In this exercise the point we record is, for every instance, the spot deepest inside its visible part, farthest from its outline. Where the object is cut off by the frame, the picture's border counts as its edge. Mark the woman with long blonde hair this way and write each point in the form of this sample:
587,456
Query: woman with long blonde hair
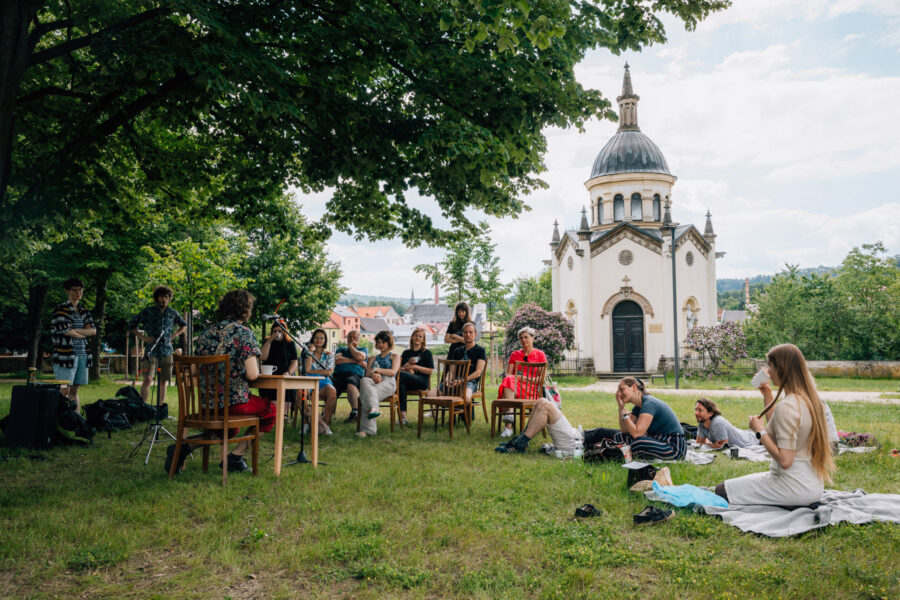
796,438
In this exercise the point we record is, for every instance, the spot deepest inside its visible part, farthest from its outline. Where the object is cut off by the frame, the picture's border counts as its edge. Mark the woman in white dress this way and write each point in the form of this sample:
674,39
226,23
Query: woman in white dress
796,438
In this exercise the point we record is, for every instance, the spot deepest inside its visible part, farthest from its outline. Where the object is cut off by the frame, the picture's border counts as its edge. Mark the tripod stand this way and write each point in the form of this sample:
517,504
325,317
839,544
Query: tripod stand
153,430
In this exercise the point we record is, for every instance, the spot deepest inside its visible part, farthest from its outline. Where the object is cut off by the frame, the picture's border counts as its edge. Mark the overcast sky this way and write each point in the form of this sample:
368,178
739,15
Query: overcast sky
780,117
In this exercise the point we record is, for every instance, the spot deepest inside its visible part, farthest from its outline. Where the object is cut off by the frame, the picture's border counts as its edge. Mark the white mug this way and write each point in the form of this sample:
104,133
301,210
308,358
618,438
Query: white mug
268,369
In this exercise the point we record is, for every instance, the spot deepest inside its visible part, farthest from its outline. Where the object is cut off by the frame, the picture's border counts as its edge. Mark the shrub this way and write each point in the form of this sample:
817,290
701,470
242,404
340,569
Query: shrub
723,344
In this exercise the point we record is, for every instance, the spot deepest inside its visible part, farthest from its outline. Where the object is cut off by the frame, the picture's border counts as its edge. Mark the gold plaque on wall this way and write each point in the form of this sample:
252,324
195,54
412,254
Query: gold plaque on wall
655,327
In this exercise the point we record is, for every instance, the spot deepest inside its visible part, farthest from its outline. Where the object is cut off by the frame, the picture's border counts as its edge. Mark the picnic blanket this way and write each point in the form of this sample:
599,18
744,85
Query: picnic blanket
856,507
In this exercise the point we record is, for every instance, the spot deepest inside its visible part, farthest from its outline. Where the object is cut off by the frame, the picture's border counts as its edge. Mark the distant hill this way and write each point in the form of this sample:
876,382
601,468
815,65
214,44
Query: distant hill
399,304
733,284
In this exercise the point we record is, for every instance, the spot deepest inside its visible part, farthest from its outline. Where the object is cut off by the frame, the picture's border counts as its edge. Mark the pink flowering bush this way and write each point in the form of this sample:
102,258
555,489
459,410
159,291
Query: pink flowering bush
553,332
721,344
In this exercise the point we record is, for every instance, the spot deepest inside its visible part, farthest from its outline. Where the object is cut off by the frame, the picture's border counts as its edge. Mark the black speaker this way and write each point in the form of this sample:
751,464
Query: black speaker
33,412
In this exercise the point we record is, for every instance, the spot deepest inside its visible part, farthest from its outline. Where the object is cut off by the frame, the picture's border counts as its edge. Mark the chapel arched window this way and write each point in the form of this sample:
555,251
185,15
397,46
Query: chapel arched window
657,215
637,210
618,208
599,211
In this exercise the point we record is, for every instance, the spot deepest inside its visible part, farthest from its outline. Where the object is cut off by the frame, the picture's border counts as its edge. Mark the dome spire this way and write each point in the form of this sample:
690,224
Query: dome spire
628,101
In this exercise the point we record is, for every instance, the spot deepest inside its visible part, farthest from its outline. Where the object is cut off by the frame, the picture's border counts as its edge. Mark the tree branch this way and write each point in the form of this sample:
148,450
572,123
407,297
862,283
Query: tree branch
52,90
84,41
42,29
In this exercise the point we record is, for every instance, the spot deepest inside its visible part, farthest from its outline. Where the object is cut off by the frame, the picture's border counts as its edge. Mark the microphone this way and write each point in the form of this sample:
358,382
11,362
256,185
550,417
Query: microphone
272,318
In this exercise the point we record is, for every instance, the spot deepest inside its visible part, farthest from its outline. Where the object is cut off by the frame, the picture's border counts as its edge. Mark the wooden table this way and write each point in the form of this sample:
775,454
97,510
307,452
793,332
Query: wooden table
280,383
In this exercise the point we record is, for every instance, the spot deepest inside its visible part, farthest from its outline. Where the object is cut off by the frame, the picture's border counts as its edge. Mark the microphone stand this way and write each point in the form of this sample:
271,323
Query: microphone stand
156,426
301,456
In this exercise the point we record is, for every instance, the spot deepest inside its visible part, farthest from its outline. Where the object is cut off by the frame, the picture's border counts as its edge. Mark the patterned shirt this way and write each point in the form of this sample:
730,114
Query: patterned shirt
236,340
63,321
155,322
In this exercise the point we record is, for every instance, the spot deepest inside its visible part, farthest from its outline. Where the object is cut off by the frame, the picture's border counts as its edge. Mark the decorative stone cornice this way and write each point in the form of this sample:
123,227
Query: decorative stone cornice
627,233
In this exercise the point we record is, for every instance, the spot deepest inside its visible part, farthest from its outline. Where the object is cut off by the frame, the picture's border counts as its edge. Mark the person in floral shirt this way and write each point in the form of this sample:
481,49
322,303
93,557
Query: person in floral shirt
230,335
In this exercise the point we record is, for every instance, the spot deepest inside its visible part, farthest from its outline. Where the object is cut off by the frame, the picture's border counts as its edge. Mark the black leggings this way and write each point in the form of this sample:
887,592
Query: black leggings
412,382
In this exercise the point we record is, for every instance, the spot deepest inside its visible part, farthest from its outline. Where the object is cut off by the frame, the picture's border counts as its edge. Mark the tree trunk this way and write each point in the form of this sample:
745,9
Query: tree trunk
99,314
14,50
37,300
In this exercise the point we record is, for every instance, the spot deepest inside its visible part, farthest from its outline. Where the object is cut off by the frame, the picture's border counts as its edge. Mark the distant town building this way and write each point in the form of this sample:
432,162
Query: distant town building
613,275
380,312
345,318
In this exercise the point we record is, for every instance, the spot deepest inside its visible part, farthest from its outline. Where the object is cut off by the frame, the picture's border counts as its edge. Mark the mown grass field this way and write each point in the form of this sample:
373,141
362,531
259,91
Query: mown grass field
397,517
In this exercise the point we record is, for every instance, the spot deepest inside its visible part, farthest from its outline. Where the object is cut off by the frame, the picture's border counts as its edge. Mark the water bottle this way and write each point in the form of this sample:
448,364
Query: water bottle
578,451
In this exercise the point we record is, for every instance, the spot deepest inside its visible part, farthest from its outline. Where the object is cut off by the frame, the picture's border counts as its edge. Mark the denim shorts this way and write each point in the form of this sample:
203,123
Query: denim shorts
78,374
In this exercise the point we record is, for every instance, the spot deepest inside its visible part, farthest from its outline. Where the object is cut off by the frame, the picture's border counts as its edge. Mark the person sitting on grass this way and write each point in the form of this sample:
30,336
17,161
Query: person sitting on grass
796,438
513,387
650,428
545,413
715,431
230,335
379,383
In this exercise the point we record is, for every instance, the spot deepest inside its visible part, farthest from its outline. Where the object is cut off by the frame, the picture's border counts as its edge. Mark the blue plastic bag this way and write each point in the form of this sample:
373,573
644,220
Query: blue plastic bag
688,495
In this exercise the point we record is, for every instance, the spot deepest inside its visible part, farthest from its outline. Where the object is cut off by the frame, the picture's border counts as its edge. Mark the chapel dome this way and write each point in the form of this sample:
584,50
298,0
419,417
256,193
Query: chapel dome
629,152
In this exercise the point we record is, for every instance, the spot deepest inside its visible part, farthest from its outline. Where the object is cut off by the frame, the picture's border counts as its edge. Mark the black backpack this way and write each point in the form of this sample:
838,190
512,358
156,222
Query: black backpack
604,451
106,415
72,427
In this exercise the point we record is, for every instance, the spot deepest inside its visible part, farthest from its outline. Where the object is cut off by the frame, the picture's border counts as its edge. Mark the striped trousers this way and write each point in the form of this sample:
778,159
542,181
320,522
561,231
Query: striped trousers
664,447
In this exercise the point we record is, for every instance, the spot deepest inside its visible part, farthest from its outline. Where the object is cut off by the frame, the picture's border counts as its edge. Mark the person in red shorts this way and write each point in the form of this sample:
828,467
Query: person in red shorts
511,387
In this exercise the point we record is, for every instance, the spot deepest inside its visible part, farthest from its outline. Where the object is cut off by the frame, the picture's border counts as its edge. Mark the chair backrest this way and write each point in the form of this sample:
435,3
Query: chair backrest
531,379
203,383
452,375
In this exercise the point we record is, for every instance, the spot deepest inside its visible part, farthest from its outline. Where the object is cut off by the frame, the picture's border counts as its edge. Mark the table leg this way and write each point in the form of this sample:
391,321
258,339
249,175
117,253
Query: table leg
279,426
314,426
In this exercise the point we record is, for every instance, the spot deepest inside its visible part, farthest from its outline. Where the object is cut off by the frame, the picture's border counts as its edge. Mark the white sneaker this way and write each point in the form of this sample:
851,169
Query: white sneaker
305,428
506,433
327,431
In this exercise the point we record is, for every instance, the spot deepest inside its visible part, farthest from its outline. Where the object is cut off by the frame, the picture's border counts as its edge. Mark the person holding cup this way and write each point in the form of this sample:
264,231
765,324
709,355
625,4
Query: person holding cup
416,367
796,437
279,357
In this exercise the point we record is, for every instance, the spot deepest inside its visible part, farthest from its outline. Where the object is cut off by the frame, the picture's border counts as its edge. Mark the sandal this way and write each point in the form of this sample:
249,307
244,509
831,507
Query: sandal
652,515
587,510
374,414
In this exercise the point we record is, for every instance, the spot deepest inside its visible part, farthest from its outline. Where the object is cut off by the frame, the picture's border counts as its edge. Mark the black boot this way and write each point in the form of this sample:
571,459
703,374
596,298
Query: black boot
517,445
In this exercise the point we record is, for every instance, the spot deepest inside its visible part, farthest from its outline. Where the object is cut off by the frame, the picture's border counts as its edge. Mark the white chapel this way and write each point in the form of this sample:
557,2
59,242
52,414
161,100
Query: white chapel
613,277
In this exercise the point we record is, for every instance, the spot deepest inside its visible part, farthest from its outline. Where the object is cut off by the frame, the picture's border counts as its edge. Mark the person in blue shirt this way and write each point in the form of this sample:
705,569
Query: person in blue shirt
650,428
349,369
162,324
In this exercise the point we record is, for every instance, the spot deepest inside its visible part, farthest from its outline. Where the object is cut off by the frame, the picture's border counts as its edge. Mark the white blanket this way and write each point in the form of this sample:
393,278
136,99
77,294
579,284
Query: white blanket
853,507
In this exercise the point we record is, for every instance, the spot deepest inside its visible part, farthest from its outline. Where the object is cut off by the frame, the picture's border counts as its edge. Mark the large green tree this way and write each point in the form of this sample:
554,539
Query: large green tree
215,105
470,271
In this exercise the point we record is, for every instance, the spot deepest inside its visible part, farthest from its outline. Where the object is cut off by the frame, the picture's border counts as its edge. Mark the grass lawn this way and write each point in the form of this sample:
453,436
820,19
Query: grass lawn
397,517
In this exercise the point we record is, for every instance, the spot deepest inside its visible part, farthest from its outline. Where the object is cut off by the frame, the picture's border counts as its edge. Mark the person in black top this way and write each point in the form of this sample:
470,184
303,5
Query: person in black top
454,336
473,353
281,351
416,366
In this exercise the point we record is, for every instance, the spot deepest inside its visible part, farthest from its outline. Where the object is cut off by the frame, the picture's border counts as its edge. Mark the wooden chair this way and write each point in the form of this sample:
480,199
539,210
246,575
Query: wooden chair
529,386
478,397
202,381
452,376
